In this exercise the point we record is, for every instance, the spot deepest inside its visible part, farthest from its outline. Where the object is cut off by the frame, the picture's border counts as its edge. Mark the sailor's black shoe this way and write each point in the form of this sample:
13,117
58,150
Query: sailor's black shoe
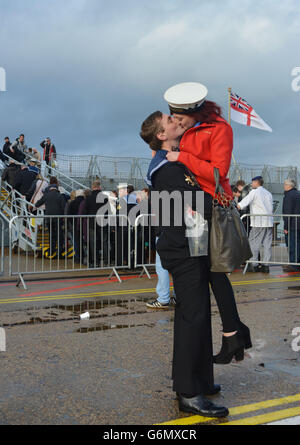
202,406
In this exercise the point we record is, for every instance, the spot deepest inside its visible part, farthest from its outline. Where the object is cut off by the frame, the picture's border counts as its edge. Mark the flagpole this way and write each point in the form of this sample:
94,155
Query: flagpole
229,116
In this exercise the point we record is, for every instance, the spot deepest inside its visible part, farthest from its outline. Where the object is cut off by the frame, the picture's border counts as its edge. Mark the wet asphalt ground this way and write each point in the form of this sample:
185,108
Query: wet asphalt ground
114,368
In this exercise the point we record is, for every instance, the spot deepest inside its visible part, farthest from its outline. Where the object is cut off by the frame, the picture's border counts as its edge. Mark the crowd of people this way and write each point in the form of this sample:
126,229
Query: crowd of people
254,200
95,244
187,146
20,152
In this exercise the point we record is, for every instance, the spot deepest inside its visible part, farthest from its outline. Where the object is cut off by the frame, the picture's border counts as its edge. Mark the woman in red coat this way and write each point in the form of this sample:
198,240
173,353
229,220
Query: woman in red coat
207,143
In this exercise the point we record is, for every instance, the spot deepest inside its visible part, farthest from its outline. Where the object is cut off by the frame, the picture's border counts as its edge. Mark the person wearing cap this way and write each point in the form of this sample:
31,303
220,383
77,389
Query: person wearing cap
260,201
34,153
192,369
208,138
32,166
207,142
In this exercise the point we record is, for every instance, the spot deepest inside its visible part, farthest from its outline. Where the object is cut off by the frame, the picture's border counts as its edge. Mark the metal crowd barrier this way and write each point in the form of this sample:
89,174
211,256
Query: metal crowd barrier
67,243
2,246
144,247
278,247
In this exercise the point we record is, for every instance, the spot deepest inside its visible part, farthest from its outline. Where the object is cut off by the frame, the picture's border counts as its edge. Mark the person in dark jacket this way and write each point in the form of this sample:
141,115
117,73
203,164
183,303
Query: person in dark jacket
97,233
12,150
54,205
291,206
5,149
19,148
49,152
74,228
24,180
10,172
192,371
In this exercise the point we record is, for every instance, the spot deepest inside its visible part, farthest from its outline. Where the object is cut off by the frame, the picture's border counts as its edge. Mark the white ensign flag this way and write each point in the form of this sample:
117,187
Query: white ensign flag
243,113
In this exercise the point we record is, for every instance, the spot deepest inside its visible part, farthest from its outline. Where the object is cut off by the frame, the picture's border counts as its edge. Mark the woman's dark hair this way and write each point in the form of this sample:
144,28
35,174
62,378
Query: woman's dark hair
208,112
53,180
130,189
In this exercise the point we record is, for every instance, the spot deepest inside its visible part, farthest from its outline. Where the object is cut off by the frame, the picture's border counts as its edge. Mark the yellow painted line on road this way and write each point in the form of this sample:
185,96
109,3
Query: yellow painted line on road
266,418
266,281
127,292
238,410
74,296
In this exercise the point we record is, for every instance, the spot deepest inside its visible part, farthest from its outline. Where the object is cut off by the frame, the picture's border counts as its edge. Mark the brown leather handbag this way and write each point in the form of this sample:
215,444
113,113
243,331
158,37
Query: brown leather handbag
229,244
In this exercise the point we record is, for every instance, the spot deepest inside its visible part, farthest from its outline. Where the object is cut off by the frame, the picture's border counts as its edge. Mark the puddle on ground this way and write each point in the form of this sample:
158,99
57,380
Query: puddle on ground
295,288
106,327
291,368
55,313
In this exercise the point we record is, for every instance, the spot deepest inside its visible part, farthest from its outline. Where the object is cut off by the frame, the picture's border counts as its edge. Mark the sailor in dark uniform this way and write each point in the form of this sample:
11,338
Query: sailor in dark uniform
192,371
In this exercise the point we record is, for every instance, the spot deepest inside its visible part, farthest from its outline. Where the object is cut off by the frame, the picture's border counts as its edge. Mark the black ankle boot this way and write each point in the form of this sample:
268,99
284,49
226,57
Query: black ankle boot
246,335
232,346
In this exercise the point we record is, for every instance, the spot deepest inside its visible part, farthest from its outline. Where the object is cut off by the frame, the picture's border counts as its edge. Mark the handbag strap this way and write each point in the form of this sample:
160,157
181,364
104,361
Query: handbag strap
220,197
36,191
219,188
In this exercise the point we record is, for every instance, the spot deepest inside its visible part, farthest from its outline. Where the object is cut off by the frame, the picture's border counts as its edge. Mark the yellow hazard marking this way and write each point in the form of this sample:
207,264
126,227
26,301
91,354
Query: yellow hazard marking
244,409
265,281
72,296
126,292
266,418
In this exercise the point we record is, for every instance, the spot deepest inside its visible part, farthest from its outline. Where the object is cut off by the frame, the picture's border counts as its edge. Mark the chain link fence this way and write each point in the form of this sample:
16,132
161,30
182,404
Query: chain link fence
112,169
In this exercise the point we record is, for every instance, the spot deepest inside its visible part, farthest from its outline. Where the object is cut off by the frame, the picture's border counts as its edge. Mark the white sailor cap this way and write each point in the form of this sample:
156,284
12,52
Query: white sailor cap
186,97
122,185
79,192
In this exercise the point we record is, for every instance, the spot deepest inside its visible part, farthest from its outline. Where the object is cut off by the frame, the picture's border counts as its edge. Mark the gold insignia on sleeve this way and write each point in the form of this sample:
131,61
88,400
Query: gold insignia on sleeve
189,180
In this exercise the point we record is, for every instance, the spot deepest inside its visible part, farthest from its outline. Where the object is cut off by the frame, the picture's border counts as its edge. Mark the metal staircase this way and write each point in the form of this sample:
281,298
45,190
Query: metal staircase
28,233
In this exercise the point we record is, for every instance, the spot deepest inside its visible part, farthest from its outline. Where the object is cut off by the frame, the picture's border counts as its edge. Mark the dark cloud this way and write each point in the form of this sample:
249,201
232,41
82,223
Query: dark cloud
86,73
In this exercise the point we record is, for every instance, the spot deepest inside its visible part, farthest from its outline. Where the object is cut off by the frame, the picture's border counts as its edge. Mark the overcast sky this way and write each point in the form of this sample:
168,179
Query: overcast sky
87,72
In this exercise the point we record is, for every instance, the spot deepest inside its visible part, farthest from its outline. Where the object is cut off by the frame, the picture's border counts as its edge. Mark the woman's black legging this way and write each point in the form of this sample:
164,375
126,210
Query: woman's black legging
223,292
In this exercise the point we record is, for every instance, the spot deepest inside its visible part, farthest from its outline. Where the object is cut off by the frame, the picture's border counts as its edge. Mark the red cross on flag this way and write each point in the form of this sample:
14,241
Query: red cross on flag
243,113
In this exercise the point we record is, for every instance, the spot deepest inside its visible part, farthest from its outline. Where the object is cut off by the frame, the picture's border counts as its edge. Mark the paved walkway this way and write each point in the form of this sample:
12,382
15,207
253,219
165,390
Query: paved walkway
114,368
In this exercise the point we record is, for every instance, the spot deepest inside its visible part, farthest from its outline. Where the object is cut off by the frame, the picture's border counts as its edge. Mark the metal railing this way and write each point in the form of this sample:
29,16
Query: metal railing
66,243
65,181
13,204
144,243
2,246
279,245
